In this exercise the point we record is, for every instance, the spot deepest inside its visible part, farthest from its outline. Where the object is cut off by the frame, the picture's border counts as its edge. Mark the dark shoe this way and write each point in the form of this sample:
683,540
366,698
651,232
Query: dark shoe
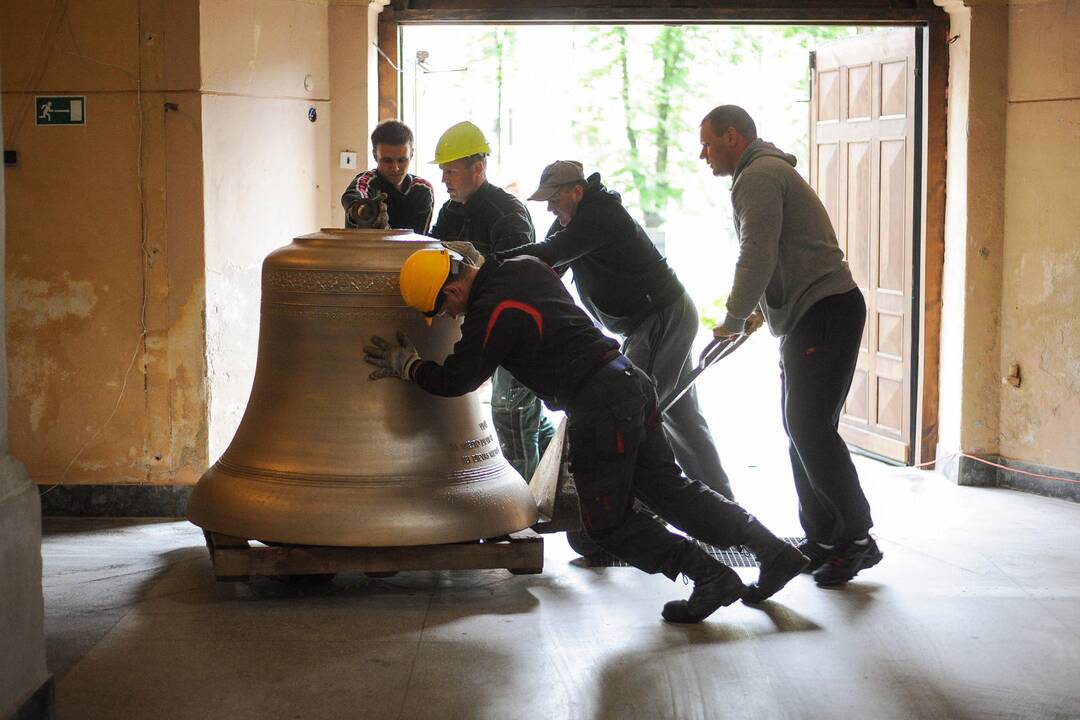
847,561
818,555
709,595
775,573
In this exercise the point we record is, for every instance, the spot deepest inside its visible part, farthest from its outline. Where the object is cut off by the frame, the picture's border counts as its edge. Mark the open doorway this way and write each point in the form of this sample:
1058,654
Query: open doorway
626,101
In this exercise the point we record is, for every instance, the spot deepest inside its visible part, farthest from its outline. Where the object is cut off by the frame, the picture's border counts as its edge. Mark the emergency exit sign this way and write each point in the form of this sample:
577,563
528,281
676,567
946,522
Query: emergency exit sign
60,110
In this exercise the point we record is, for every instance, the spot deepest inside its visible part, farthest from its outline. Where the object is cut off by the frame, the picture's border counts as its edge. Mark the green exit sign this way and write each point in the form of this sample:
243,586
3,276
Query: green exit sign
60,110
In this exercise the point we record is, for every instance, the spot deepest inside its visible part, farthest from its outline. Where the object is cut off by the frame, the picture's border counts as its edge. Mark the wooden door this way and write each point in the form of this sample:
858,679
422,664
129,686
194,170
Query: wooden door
862,160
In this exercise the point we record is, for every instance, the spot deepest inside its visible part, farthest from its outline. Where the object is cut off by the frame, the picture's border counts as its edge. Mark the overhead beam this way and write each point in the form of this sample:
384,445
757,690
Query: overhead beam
832,12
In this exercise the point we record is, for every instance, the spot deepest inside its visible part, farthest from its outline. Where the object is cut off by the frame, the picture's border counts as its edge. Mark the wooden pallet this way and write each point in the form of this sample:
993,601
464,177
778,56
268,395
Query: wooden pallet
234,558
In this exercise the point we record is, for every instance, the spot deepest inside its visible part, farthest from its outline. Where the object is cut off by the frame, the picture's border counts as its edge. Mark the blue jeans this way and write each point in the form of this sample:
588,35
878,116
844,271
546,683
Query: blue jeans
520,424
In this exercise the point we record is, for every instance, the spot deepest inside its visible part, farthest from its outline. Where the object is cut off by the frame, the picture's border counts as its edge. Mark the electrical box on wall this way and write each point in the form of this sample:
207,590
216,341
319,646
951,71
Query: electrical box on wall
348,160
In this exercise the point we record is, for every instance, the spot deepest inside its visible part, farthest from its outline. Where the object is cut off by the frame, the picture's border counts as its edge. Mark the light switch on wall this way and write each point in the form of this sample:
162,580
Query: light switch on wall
348,160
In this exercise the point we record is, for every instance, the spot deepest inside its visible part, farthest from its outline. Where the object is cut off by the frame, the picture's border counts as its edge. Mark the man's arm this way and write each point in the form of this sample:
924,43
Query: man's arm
511,230
485,342
422,202
582,236
450,221
758,202
358,189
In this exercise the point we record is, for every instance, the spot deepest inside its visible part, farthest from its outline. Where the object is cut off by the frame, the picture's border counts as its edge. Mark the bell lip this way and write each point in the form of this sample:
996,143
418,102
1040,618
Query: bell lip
222,502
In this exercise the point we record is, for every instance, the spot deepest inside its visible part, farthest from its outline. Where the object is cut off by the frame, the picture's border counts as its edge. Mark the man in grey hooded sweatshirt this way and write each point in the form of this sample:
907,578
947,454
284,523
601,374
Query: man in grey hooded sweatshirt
791,268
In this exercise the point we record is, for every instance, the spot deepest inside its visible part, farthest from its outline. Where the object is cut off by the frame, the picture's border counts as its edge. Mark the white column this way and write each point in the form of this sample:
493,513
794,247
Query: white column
22,650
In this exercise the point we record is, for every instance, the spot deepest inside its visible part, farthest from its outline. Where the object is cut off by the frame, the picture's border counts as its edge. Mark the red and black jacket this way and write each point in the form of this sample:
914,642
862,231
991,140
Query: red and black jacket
521,317
409,208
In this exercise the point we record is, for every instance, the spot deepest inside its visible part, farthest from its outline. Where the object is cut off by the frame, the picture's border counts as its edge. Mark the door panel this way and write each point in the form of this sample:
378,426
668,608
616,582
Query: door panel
862,129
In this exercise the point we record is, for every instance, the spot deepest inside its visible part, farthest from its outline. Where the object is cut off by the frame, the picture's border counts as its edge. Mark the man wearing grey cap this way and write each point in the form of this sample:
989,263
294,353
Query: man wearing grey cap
628,287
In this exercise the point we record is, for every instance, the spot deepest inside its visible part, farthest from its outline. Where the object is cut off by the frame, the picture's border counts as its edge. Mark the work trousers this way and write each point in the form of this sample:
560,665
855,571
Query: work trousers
662,347
817,362
618,454
520,424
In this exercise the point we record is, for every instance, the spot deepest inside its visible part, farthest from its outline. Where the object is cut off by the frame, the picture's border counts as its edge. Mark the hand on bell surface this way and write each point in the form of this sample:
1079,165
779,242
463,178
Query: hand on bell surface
465,249
390,359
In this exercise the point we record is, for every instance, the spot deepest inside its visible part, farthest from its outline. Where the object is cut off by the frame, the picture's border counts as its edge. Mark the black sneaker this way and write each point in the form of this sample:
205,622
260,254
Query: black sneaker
847,561
817,555
775,573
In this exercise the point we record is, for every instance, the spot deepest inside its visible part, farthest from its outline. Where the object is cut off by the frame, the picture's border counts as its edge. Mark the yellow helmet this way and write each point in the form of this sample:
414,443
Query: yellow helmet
422,278
460,141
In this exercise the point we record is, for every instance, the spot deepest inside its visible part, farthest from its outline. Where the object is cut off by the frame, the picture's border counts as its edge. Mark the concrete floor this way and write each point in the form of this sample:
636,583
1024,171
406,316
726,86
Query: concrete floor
974,613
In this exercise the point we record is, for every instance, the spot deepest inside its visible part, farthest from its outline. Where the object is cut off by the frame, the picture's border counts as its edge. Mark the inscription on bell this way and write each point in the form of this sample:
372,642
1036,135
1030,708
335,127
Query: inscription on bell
480,457
477,443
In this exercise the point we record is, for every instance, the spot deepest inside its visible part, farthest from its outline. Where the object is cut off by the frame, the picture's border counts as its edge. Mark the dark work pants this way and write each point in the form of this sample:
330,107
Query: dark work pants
662,347
817,362
618,453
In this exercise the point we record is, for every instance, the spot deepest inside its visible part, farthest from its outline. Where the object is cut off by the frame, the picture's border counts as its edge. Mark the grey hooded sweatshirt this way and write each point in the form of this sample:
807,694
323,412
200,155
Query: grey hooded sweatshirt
788,254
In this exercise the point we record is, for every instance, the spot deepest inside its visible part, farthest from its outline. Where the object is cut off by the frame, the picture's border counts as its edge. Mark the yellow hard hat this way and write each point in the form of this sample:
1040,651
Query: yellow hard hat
422,278
460,141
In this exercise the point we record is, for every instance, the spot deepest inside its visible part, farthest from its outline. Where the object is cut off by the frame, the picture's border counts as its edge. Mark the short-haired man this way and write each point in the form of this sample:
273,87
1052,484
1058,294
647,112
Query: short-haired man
791,268
519,316
409,198
627,285
491,219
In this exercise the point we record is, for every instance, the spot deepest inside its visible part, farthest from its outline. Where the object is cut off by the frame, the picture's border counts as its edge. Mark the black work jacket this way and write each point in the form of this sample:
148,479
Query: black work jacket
521,317
620,275
491,219
409,208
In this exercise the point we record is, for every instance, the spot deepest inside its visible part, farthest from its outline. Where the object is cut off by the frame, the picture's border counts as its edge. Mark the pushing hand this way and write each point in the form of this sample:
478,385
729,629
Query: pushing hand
390,359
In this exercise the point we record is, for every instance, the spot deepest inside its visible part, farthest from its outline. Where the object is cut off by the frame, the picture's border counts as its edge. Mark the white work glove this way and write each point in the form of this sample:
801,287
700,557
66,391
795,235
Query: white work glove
389,359
466,250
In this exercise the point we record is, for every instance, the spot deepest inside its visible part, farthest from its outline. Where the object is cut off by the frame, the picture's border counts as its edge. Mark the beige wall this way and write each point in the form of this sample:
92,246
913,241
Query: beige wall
353,30
1040,304
266,171
104,278
1012,262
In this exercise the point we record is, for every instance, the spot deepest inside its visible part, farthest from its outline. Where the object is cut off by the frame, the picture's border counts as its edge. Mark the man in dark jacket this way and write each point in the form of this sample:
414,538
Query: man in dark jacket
518,315
791,268
409,199
491,219
629,288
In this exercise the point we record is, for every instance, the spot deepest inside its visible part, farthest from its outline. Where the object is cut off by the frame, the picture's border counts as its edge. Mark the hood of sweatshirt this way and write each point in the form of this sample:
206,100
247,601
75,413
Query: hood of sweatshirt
759,149
596,192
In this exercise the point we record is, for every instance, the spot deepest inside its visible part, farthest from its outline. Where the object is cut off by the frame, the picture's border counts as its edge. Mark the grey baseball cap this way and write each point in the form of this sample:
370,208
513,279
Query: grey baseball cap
555,176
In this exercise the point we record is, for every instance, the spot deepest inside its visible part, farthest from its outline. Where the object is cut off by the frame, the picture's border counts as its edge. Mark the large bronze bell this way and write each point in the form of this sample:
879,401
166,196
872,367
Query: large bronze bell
326,456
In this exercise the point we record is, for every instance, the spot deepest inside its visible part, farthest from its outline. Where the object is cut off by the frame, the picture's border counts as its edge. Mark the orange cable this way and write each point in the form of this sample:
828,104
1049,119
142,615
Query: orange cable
994,464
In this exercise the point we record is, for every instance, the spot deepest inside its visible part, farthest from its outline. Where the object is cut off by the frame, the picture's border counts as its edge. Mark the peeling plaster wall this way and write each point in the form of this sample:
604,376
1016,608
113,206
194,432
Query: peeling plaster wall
1040,309
22,610
104,258
266,171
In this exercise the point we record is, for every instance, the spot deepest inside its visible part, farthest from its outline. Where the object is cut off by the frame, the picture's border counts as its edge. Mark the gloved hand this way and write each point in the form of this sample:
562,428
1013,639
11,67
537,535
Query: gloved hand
390,359
466,250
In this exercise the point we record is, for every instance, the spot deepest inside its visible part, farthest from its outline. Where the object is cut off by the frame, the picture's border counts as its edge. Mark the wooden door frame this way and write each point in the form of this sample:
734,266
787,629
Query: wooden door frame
932,156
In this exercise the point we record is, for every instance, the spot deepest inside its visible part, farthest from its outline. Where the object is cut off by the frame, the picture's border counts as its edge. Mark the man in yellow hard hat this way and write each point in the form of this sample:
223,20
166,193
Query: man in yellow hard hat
491,219
519,316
